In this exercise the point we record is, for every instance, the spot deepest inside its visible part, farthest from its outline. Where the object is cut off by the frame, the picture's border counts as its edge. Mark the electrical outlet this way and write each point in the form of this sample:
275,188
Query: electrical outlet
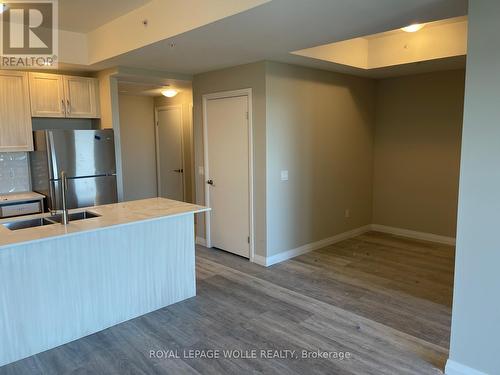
347,213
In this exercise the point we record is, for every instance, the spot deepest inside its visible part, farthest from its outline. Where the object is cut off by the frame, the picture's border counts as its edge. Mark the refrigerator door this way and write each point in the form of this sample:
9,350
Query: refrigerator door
80,153
84,192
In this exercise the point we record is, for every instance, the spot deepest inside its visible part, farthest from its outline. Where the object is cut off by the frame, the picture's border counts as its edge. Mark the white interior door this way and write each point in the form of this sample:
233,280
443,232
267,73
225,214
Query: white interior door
169,153
227,159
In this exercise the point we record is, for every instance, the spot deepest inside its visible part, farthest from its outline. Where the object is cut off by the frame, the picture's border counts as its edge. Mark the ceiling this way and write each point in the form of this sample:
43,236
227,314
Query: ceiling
271,31
85,15
435,41
128,87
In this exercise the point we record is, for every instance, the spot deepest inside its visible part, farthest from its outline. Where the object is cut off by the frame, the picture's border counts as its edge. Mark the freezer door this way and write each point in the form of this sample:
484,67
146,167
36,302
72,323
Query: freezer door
81,153
84,192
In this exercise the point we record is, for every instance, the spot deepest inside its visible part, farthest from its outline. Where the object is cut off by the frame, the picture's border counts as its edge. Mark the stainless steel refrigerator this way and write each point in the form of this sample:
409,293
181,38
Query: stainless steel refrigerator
88,159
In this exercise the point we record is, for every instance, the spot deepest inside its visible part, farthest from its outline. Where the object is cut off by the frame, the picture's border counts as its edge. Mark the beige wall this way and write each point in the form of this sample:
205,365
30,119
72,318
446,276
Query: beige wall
330,132
320,129
240,77
417,152
137,147
185,100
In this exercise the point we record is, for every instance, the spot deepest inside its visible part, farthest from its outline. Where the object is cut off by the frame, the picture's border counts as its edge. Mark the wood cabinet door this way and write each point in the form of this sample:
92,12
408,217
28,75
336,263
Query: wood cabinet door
15,120
82,97
47,95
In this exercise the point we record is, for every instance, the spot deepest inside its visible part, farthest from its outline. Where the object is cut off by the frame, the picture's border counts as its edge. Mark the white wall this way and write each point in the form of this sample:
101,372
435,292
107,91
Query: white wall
138,147
476,303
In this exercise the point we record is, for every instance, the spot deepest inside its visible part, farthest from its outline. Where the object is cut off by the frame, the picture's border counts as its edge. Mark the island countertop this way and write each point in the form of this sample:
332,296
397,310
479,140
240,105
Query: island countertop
59,283
109,215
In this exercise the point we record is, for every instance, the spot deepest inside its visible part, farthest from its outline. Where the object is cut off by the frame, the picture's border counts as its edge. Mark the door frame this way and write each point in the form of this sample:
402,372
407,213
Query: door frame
157,146
223,95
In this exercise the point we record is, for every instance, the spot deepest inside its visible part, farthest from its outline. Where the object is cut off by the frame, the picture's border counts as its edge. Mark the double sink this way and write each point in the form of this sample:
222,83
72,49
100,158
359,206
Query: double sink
50,220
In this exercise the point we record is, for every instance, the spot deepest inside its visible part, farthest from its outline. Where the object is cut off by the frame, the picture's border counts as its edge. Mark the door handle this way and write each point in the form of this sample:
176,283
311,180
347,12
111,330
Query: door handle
179,170
210,182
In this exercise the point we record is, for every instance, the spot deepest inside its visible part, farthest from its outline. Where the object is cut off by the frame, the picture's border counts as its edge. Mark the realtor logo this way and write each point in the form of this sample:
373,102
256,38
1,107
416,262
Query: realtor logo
29,34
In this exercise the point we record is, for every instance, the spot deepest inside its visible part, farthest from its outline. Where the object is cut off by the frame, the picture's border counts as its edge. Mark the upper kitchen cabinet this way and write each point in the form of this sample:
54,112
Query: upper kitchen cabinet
82,97
47,95
54,95
15,119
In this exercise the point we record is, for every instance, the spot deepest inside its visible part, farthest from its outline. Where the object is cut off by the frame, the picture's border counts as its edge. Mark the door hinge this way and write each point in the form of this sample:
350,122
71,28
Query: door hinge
248,239
248,116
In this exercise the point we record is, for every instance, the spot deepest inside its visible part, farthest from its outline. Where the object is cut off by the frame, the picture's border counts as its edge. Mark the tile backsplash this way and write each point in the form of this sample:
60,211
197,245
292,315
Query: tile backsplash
14,172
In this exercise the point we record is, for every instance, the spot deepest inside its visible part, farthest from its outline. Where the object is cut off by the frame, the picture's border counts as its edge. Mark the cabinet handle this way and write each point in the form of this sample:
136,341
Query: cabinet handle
63,107
69,106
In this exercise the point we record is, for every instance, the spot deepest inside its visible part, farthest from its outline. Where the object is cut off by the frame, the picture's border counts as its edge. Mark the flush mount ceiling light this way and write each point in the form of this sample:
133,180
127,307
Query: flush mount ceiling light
169,93
413,28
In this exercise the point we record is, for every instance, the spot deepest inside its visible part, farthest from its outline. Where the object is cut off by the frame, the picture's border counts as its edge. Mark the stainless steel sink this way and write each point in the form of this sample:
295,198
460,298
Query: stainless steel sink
51,220
75,216
25,224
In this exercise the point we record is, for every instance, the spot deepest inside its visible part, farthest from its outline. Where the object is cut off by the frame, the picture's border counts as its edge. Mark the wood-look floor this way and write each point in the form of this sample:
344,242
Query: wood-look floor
384,299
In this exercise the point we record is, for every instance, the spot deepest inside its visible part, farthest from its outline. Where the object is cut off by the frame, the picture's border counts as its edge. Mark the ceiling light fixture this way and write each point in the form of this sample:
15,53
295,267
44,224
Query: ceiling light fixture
413,28
169,93
2,7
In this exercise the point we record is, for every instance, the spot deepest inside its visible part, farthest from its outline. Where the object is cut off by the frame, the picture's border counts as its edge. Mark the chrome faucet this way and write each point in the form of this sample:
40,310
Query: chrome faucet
64,196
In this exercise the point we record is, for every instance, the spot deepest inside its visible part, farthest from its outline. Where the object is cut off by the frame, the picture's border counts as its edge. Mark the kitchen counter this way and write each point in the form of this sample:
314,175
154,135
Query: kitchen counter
59,283
109,215
21,197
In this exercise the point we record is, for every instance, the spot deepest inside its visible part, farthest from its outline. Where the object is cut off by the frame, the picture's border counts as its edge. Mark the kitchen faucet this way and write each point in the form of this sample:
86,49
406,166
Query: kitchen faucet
64,197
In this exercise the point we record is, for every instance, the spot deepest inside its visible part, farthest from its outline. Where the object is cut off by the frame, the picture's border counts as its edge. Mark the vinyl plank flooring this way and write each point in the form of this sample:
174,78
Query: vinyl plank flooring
383,298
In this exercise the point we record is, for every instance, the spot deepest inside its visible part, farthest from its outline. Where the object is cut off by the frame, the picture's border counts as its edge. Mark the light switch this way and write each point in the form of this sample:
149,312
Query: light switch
284,175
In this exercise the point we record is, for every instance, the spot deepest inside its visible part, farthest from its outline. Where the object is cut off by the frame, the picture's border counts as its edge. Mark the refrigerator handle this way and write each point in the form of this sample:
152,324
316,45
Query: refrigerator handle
51,198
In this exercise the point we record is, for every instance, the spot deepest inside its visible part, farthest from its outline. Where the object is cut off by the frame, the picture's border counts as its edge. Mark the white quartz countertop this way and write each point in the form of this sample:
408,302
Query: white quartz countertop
20,197
110,215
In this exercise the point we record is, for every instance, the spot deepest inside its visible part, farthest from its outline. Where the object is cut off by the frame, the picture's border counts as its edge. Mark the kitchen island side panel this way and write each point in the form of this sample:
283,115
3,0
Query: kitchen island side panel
56,291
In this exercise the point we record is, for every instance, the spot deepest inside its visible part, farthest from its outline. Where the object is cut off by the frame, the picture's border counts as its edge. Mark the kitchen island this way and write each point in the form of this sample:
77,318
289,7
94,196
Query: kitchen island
60,282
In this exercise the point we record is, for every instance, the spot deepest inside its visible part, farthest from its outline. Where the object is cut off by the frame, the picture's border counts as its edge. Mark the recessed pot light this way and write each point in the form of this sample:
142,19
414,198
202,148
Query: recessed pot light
413,28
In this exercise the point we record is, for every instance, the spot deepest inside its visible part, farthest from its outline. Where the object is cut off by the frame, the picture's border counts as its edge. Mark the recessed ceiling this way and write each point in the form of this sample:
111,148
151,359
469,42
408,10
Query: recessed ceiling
273,30
433,41
83,16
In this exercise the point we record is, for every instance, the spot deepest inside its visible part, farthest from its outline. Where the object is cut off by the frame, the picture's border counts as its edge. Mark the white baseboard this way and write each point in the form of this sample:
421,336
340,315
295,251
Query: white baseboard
281,257
269,261
455,368
201,241
413,234
259,259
